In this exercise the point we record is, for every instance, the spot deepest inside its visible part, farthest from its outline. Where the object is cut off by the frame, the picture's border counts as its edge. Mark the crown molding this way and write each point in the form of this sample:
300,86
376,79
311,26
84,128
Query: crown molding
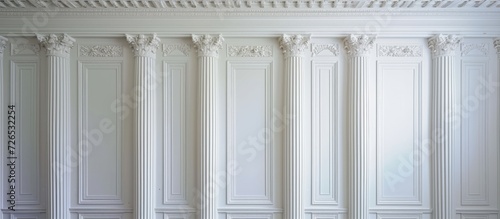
255,21
249,4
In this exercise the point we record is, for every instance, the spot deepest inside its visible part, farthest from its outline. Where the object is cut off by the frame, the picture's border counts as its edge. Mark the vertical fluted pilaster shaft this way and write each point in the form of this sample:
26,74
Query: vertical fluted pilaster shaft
208,52
358,48
144,48
58,130
443,101
294,47
3,45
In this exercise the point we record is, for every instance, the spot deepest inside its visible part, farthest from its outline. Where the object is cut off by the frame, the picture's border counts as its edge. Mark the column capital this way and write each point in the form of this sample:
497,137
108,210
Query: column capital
497,45
143,45
444,45
208,45
359,45
3,44
294,45
56,45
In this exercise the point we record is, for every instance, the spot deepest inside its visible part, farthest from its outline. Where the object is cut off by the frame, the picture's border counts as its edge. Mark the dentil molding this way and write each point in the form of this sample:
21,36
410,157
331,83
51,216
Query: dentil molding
144,45
294,45
208,45
444,45
359,45
58,45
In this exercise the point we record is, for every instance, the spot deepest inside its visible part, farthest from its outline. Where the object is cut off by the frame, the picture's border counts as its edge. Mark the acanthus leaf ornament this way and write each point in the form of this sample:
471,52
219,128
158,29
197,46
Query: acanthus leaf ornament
294,45
467,48
497,45
57,45
101,51
359,45
249,51
25,49
319,48
444,45
3,44
143,45
170,48
399,51
208,45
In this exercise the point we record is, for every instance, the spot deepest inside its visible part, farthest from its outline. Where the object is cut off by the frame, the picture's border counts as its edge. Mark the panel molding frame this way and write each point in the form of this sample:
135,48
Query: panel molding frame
483,199
268,198
250,216
168,196
83,198
417,129
34,65
334,145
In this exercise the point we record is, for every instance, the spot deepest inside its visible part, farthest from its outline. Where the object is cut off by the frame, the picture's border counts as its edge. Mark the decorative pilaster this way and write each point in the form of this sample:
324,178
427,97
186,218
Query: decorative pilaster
208,52
358,48
58,55
294,47
144,48
443,100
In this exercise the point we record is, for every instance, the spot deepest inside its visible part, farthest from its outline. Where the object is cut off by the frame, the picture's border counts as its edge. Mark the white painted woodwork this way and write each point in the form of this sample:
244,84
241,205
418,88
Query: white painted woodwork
442,134
57,51
259,124
294,48
358,48
3,91
144,49
208,48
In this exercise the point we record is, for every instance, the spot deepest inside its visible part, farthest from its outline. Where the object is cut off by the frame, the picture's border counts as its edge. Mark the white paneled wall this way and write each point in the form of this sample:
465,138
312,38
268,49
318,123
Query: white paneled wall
252,145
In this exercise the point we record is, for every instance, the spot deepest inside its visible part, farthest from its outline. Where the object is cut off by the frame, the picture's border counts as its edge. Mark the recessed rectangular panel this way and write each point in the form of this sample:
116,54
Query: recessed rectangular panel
398,133
25,93
100,216
474,133
325,133
249,216
174,138
249,132
398,216
99,133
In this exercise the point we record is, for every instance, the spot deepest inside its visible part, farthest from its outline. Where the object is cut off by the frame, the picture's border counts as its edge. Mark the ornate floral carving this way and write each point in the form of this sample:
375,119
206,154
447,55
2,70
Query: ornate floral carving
101,50
168,49
3,44
25,49
497,45
359,45
208,45
443,45
294,45
468,47
144,45
59,45
318,48
400,51
249,51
